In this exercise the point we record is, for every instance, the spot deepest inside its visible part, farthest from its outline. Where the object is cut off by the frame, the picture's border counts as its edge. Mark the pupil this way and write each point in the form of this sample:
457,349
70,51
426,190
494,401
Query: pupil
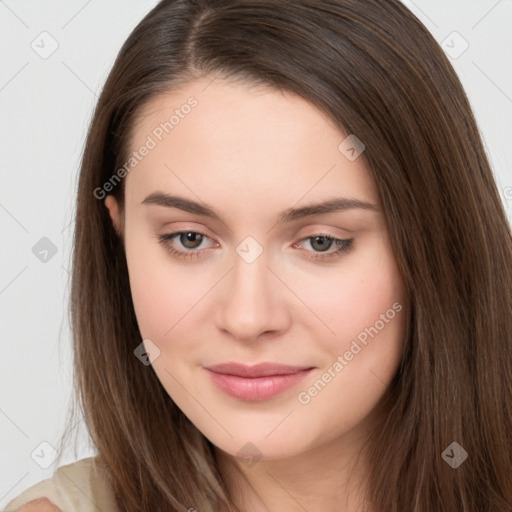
191,238
323,241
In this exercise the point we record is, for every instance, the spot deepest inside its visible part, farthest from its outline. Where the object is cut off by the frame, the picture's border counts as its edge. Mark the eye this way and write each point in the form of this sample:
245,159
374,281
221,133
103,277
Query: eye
323,242
190,240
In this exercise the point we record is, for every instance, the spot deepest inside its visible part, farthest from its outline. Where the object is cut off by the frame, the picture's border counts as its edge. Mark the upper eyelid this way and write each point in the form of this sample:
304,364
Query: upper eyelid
179,227
308,229
175,234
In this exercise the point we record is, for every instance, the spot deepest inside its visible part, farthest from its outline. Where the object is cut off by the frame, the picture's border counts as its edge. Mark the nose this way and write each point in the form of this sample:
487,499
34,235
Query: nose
253,301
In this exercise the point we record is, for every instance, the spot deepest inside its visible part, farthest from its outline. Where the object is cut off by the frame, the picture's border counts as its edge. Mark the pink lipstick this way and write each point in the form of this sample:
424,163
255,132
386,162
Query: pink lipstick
259,382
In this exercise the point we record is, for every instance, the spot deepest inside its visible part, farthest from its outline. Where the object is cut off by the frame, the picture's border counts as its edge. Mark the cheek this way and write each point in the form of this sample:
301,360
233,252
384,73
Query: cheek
366,309
366,300
163,291
353,296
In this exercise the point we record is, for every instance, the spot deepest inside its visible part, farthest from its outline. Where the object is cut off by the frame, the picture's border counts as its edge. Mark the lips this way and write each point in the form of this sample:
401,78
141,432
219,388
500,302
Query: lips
258,382
257,370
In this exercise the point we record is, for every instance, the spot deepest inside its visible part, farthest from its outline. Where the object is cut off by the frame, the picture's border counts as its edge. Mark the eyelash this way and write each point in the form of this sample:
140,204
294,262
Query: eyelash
343,246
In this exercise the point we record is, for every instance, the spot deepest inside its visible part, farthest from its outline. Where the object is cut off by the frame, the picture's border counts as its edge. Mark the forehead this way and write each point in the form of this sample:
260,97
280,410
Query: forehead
241,140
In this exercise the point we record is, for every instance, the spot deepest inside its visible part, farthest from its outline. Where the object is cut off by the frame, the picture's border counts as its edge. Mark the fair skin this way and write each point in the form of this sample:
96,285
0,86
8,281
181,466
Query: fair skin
39,505
250,153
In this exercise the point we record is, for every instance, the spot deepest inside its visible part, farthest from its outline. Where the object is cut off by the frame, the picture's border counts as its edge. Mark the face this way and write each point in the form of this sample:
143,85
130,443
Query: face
262,278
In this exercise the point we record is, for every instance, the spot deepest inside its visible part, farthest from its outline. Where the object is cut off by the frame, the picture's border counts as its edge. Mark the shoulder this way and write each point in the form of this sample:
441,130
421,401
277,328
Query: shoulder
82,486
40,505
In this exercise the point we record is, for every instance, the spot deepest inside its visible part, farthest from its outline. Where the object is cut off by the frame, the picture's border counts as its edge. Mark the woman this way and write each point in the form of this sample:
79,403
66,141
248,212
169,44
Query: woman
292,286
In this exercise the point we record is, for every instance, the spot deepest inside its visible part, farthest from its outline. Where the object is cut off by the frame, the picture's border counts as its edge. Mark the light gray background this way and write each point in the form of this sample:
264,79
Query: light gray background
46,105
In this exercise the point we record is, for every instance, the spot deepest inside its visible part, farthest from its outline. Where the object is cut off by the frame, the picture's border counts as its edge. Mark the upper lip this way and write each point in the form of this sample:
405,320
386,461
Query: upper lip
257,370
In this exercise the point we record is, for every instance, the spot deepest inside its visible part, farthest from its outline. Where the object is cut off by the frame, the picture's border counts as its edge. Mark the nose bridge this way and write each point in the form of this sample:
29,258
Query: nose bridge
249,286
250,276
250,304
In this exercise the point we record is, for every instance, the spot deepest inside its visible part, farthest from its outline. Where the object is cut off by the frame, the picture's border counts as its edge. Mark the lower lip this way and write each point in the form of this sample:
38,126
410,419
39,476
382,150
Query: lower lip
257,388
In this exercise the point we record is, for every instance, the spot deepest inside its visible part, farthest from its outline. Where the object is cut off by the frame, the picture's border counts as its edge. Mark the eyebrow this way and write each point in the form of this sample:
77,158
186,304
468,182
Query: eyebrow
288,215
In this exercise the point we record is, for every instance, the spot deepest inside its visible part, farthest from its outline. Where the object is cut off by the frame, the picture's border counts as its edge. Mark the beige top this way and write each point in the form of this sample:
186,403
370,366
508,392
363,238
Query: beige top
77,487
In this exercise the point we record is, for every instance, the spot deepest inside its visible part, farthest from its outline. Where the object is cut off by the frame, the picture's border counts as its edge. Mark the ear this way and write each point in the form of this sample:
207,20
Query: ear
113,209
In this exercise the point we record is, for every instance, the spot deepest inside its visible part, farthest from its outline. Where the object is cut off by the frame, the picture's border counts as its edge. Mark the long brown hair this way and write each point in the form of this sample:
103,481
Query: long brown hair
379,74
